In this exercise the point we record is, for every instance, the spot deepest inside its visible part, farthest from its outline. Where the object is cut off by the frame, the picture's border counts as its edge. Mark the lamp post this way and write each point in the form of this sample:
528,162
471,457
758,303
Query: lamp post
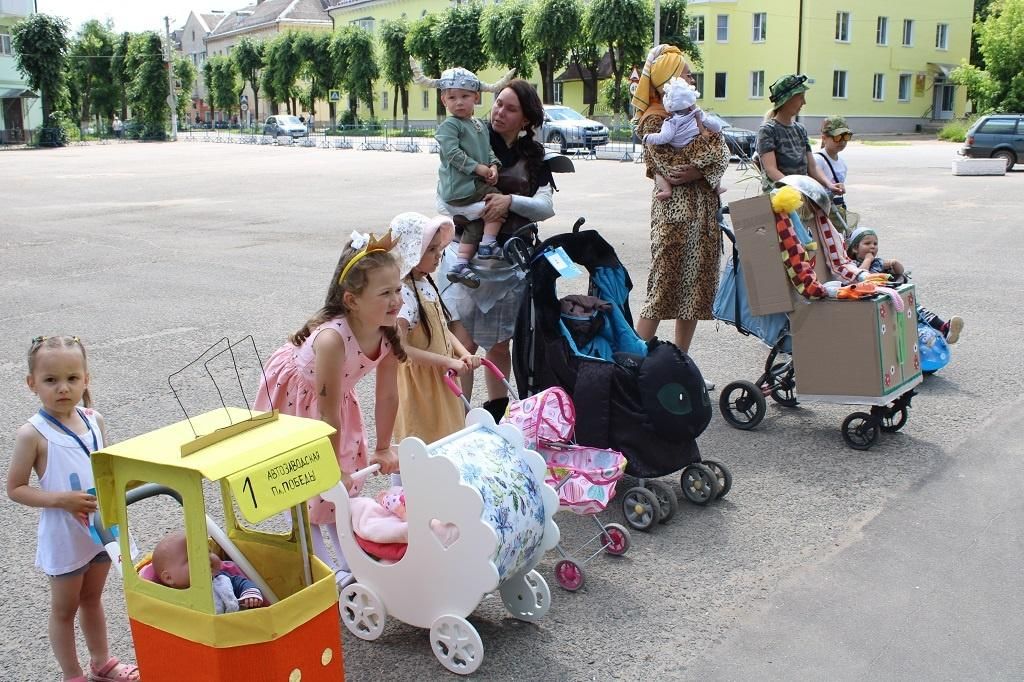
173,96
657,22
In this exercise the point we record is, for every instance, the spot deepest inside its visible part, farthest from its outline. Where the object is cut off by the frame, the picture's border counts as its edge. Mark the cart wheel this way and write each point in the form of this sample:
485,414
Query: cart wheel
616,539
894,420
530,600
700,483
742,404
641,508
860,430
569,575
456,644
723,475
362,611
667,499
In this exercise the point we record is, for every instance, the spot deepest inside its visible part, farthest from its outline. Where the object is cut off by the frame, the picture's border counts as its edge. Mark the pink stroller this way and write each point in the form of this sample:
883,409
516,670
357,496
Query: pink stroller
584,477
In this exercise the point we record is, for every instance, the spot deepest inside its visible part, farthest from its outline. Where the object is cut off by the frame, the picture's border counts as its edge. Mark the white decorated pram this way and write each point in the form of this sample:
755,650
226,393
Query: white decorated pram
492,489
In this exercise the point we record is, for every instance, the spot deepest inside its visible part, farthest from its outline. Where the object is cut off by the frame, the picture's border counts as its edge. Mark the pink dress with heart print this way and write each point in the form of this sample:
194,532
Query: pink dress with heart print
289,386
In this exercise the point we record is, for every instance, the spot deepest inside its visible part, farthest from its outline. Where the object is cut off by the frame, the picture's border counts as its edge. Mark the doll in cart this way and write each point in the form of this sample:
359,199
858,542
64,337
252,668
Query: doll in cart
483,482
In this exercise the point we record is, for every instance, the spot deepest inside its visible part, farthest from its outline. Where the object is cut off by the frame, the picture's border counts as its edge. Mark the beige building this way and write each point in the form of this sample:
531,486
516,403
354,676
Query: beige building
193,47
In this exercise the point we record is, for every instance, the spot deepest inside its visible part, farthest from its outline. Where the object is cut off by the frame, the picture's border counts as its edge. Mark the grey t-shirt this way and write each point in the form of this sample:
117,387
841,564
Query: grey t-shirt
789,143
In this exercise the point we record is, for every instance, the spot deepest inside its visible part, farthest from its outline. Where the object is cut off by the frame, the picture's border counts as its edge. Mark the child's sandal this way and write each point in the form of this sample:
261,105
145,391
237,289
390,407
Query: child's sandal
114,671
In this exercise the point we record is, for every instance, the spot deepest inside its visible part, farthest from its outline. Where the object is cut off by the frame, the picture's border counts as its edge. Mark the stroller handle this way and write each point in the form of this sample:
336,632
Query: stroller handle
451,375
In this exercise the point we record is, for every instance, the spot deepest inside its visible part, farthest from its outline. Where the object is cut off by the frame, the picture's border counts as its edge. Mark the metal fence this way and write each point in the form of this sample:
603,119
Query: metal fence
620,144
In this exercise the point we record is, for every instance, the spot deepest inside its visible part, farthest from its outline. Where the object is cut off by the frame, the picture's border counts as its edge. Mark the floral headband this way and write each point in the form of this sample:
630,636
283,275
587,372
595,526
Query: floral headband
366,244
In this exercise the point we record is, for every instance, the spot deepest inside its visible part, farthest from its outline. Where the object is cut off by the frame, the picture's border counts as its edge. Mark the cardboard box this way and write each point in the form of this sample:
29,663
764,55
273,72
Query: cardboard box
768,288
856,351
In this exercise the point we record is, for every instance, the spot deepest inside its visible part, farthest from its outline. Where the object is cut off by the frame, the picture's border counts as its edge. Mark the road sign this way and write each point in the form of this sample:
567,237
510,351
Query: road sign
634,75
334,95
243,103
632,88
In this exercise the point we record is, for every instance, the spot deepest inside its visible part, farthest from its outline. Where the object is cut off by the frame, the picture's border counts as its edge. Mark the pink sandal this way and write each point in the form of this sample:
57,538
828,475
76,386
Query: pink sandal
114,671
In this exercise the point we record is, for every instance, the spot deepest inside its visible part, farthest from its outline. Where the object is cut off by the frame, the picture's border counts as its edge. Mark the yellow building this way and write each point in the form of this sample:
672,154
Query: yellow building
883,64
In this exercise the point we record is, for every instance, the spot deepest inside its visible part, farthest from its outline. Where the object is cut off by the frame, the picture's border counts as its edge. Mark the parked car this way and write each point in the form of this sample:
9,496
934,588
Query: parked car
996,136
568,128
742,143
284,125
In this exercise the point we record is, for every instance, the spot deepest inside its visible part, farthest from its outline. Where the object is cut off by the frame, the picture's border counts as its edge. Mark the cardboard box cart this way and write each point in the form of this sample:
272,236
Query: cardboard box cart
263,464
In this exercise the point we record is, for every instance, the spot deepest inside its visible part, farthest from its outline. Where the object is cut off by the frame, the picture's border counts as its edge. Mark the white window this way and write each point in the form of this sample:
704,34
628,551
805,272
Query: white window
760,27
426,99
366,23
908,32
697,28
698,84
843,27
878,87
5,44
904,94
720,85
882,31
757,84
839,84
942,36
723,28
384,100
557,92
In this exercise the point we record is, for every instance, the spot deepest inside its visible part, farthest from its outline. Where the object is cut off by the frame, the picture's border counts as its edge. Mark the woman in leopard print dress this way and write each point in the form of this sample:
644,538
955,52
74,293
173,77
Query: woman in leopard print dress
685,237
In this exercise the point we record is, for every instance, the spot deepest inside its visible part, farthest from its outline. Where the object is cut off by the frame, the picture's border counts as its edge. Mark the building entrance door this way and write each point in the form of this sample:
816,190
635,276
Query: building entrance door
13,121
945,95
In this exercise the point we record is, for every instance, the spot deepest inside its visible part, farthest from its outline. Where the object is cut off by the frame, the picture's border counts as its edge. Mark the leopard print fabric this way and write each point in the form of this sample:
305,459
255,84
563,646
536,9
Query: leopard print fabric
686,242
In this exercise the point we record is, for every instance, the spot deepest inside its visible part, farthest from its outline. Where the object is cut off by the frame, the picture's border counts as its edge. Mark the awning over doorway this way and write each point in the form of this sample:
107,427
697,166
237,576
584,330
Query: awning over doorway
942,69
18,93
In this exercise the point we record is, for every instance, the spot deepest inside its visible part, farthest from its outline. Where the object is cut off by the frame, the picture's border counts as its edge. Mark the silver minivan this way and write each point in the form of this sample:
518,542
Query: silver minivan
996,136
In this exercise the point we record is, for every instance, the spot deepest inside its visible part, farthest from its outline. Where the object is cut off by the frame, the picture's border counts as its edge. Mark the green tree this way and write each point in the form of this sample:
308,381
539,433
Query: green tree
675,28
624,28
207,70
283,64
361,66
548,25
119,71
458,37
321,69
422,44
40,52
185,75
504,36
249,57
90,57
227,84
1000,37
395,65
147,91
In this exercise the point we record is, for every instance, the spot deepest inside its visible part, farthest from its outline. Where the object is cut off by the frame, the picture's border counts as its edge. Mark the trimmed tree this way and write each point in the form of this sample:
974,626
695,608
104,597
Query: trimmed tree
40,52
623,28
395,65
185,74
362,69
147,91
283,64
503,31
549,24
321,70
119,71
90,60
249,57
422,43
207,71
458,37
227,84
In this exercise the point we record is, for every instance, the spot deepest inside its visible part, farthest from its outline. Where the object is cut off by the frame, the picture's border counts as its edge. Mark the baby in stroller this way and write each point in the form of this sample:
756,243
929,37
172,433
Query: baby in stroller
863,248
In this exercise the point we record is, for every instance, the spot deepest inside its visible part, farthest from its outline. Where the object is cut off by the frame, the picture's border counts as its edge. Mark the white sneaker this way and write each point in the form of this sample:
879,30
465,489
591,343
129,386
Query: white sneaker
709,384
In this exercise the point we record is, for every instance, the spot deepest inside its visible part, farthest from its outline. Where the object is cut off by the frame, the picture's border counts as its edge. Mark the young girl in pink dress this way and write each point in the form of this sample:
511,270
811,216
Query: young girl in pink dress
315,374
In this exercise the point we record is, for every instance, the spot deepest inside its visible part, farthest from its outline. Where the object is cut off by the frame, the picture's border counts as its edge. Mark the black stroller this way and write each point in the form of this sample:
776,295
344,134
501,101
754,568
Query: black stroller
646,400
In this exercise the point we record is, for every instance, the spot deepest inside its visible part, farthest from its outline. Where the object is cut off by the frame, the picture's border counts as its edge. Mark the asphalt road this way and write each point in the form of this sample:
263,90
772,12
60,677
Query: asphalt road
152,252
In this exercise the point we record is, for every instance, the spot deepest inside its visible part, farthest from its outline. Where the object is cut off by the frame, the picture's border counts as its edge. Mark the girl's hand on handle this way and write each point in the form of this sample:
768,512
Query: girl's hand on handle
470,362
387,459
454,365
78,504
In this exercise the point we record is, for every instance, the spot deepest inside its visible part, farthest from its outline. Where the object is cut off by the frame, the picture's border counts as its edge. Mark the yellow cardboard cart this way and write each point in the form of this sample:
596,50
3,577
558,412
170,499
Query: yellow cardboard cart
264,464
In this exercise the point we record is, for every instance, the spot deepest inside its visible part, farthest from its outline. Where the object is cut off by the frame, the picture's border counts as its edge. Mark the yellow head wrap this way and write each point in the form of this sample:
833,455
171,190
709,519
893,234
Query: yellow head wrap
663,62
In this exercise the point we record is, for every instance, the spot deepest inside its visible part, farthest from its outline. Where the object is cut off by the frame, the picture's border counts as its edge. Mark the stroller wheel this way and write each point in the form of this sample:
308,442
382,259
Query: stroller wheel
529,599
860,430
616,539
784,392
894,420
362,611
457,644
700,484
742,404
667,499
641,508
569,575
723,475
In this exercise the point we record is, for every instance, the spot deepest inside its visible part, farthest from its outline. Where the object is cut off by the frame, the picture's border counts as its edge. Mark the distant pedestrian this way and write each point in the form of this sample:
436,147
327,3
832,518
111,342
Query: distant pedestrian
118,126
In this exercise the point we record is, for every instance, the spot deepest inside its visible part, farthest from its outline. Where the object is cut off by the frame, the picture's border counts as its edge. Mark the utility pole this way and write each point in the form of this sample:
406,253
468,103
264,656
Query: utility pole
173,97
657,22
